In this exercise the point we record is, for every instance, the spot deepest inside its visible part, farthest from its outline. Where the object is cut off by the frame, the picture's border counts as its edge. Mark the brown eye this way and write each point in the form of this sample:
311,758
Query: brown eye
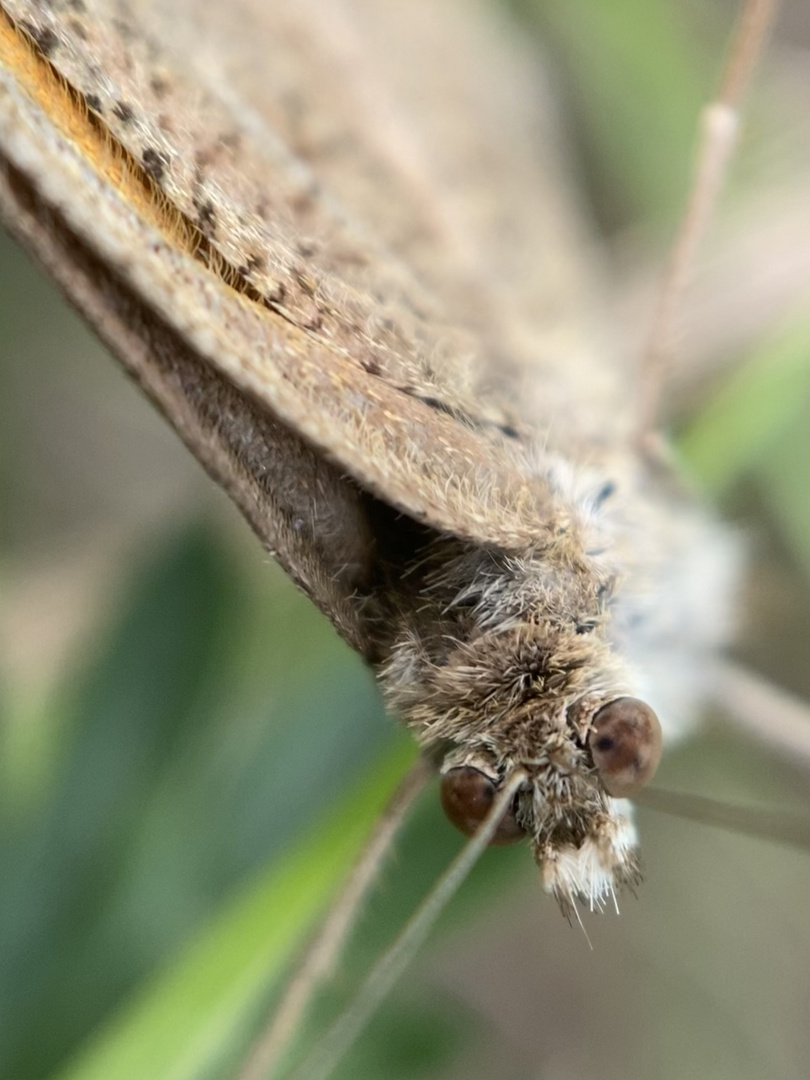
466,795
626,745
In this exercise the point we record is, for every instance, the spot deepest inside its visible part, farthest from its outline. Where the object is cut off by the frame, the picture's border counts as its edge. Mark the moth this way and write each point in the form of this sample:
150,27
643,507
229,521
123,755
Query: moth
528,583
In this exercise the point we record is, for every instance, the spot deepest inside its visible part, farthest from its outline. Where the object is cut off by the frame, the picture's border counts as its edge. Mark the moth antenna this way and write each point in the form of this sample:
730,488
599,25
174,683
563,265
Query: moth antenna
774,716
324,948
332,1046
717,137
783,828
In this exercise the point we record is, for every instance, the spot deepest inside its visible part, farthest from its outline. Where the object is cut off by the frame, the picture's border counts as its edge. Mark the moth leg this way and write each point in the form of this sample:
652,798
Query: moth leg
718,136
324,948
770,714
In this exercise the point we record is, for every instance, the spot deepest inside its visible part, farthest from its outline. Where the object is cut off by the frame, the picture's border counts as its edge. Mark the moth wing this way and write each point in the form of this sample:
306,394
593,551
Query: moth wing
415,383
297,502
436,126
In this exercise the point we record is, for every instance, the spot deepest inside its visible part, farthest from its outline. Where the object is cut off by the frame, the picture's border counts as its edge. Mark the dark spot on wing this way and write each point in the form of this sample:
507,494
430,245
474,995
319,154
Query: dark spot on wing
123,111
276,296
438,404
303,202
231,139
45,39
78,29
207,218
304,281
477,423
125,29
159,86
94,103
254,263
154,163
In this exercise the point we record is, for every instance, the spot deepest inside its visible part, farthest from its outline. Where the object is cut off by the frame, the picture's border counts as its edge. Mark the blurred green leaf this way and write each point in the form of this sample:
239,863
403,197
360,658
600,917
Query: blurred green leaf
635,88
196,1014
183,752
784,475
757,407
125,720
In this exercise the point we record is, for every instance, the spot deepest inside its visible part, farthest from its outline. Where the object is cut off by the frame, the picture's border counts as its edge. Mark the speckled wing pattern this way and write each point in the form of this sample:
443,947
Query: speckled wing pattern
316,163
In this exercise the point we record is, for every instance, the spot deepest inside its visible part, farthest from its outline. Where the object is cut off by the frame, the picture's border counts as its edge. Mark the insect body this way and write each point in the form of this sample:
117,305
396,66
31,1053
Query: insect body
544,568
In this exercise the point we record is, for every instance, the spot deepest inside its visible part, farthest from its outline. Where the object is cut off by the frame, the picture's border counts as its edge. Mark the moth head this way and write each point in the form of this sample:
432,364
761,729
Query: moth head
573,808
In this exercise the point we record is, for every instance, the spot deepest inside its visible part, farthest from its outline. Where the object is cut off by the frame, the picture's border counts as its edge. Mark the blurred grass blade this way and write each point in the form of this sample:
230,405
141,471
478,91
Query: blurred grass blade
198,1013
633,70
172,768
762,399
124,719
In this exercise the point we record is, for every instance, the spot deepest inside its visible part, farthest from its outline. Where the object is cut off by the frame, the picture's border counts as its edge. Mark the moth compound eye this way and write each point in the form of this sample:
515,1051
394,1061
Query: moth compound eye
466,795
625,742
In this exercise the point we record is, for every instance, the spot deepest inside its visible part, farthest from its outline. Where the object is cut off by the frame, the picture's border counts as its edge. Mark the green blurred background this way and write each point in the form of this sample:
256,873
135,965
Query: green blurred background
189,755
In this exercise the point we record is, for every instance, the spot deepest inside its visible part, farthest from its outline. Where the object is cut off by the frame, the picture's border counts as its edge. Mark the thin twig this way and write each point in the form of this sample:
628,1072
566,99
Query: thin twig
718,135
758,822
324,949
319,1064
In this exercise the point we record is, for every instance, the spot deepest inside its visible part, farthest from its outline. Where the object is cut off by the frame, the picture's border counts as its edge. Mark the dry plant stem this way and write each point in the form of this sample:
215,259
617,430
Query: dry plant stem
324,948
773,716
718,135
319,1064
